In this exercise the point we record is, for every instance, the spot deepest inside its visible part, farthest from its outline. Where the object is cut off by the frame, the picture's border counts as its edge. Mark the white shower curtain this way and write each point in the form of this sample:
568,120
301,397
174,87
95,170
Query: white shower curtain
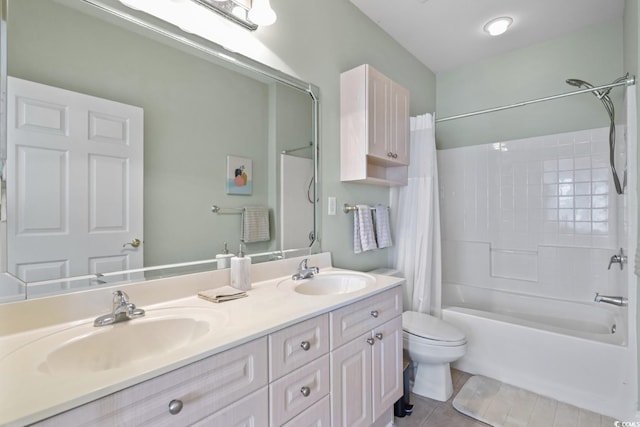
416,218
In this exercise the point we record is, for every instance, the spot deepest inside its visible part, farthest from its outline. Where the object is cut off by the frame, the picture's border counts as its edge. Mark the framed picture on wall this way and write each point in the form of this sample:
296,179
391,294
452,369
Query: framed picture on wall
239,175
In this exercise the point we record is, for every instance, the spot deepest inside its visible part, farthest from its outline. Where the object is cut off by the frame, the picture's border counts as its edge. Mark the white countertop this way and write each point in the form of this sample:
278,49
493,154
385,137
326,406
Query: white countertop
28,395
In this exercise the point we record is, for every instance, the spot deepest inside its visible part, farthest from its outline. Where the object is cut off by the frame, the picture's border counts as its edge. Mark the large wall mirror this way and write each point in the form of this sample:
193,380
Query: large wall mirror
122,132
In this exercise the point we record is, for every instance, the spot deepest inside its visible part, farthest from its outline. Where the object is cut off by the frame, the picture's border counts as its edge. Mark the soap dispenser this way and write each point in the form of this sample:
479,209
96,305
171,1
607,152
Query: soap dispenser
223,258
241,271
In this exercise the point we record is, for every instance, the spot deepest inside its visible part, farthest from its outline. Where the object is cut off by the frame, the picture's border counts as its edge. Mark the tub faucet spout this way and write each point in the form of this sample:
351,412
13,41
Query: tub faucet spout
619,301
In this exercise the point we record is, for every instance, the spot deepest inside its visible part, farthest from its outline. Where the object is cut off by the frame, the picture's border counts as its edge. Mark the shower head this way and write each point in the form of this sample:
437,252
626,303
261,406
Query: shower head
578,83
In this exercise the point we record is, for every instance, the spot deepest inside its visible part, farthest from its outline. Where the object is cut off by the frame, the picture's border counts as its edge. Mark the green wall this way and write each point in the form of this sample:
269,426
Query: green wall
593,54
317,40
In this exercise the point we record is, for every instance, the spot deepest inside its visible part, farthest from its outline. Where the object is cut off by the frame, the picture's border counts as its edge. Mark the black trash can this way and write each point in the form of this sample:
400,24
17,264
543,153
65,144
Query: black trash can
403,406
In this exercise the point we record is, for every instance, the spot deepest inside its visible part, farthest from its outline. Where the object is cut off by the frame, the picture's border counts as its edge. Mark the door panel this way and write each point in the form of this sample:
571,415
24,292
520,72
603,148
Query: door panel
74,182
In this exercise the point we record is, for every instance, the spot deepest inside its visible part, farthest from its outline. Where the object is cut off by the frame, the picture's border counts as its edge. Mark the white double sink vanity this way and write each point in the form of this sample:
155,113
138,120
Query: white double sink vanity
292,353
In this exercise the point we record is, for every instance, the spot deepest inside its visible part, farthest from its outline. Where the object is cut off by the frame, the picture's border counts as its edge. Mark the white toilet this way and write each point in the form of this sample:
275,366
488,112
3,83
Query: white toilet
432,345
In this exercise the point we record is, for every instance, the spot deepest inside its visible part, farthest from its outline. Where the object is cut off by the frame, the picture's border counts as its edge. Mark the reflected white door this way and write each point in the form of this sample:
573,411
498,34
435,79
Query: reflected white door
74,182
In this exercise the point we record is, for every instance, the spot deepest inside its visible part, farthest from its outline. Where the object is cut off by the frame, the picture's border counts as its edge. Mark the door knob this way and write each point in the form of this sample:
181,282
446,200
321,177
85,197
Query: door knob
134,243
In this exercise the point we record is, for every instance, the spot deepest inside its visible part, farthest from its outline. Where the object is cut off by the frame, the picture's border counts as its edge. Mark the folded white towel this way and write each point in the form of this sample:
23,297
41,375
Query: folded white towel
255,224
383,230
364,238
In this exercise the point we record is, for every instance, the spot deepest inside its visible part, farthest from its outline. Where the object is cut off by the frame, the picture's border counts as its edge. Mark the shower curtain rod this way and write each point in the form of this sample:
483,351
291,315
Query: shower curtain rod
628,82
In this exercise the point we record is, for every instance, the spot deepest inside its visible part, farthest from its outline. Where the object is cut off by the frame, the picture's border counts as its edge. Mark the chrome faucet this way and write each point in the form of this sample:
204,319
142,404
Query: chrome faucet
123,310
304,271
619,301
619,258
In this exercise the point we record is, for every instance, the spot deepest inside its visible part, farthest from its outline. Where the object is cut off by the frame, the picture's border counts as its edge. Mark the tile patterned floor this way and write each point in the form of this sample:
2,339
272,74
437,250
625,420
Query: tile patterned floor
431,413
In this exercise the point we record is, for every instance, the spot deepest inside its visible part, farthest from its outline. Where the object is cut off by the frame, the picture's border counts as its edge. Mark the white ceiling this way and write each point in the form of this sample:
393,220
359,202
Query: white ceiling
444,34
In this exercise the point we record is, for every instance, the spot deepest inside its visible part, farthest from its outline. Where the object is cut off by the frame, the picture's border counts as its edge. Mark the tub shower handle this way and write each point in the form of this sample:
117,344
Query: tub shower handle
619,258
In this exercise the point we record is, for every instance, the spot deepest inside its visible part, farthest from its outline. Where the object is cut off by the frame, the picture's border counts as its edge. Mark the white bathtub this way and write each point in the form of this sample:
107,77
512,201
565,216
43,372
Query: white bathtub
560,349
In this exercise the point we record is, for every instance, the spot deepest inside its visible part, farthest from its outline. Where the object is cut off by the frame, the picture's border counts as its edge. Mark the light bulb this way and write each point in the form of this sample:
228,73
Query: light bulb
261,13
498,26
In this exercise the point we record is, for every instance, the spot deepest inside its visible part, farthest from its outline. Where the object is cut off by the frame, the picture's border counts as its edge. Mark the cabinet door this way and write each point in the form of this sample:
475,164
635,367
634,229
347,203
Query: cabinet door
252,411
386,362
379,95
351,384
399,139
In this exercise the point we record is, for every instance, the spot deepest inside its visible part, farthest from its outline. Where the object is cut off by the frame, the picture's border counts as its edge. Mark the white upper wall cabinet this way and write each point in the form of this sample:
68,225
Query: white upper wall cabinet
374,128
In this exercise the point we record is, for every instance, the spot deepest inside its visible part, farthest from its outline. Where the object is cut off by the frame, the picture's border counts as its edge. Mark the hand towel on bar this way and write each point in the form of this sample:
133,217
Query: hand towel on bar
383,230
255,224
364,238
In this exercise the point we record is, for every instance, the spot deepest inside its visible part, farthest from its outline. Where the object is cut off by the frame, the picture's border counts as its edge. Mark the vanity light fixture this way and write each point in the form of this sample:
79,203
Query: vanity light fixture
247,13
498,26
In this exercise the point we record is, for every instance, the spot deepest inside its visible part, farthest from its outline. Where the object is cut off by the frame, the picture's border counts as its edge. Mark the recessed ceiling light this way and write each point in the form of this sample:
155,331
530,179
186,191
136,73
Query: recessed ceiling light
498,26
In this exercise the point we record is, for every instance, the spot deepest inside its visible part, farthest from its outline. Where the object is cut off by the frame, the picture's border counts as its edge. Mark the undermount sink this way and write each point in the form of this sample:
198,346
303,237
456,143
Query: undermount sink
330,283
160,333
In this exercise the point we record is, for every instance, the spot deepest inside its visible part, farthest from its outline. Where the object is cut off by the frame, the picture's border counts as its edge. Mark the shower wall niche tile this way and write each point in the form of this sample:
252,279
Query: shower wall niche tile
523,197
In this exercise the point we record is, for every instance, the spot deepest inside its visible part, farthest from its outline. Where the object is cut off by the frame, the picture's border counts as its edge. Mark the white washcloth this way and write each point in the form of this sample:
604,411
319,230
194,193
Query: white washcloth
383,230
255,224
364,238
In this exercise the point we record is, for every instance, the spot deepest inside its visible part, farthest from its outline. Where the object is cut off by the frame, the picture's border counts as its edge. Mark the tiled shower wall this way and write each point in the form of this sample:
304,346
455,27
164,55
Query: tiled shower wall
537,215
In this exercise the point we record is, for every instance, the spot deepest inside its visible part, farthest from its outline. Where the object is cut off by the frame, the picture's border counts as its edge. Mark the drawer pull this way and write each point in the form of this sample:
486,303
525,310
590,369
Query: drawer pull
374,314
175,406
371,341
305,345
306,391
379,336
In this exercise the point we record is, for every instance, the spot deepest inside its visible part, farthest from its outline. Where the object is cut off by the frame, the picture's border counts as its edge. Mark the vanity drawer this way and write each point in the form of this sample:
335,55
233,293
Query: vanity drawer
319,415
297,391
350,322
297,345
203,387
251,411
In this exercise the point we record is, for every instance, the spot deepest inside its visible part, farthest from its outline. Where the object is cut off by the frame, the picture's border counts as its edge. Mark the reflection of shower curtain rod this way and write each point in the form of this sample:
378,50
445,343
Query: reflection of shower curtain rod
297,149
628,82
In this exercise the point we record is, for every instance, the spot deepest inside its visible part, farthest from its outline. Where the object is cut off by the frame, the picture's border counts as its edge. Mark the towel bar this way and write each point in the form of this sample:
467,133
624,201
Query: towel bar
352,208
219,210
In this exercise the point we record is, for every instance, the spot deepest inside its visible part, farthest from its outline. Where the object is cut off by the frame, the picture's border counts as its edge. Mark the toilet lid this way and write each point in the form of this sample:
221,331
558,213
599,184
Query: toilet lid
426,326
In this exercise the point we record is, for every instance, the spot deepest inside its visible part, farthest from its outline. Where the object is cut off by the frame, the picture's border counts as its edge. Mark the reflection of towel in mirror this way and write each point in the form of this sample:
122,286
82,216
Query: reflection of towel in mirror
255,224
364,238
383,230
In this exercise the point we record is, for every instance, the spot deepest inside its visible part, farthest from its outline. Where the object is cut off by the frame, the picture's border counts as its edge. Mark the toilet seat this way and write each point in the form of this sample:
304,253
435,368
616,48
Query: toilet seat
427,327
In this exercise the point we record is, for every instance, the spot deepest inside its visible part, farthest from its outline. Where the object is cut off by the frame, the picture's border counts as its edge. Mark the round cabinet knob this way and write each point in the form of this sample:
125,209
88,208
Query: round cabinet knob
306,391
374,314
134,243
305,345
379,336
370,341
175,406
395,156
389,154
